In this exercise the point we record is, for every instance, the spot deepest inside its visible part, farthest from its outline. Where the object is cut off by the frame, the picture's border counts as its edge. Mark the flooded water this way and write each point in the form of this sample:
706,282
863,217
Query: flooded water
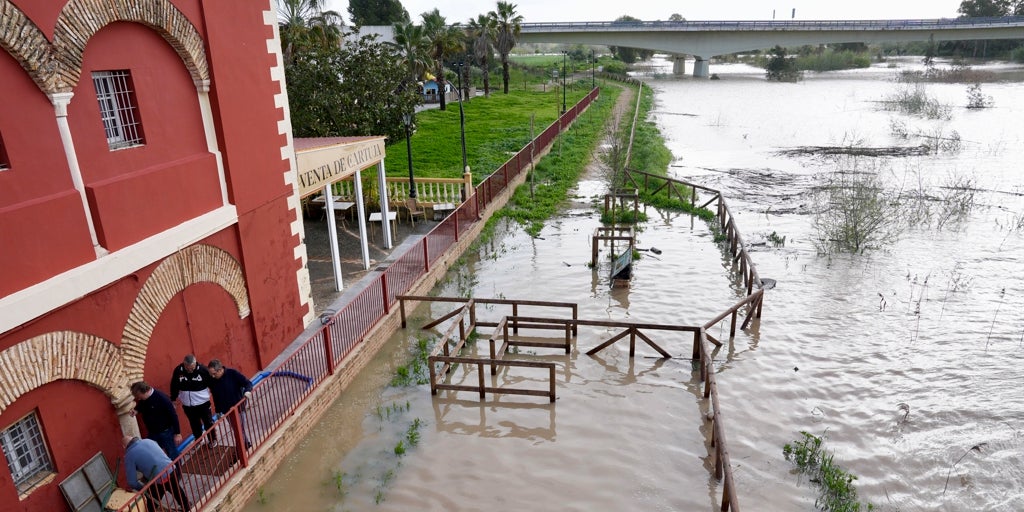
931,324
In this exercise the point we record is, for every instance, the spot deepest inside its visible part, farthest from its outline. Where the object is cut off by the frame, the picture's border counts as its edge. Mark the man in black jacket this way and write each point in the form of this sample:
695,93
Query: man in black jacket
159,416
190,384
229,387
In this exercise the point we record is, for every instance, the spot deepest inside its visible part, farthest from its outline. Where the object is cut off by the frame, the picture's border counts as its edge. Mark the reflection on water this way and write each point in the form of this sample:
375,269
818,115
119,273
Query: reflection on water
907,358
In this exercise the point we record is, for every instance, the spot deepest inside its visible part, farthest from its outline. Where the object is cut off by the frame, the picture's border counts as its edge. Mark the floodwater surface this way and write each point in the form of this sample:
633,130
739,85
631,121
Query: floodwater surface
906,358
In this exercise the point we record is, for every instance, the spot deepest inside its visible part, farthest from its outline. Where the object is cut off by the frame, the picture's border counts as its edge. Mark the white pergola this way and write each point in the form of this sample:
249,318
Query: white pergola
323,161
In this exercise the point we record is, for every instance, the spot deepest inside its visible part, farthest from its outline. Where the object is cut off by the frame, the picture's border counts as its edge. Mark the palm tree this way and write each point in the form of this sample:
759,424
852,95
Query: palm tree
508,24
445,40
304,24
414,47
482,31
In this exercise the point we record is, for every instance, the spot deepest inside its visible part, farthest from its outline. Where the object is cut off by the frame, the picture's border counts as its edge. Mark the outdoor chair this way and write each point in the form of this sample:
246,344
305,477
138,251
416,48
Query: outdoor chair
414,209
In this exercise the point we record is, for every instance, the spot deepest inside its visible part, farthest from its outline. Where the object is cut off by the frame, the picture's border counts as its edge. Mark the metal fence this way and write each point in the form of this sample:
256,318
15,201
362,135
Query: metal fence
205,466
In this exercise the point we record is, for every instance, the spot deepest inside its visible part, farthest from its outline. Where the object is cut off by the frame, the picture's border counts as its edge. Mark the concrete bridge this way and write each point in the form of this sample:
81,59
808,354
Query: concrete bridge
707,39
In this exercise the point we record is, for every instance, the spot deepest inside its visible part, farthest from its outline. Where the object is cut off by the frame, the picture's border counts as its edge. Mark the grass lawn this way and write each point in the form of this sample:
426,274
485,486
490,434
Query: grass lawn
496,128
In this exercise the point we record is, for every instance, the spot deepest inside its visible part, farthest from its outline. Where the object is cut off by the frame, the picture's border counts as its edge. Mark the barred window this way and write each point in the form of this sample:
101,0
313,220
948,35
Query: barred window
26,453
118,108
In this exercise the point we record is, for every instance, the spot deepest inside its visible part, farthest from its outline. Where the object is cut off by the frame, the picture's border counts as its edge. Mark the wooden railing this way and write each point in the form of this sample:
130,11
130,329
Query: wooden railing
726,220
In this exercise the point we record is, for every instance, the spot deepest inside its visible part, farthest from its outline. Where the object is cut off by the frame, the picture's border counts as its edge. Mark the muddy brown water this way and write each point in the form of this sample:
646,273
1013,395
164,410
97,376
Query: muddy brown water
848,343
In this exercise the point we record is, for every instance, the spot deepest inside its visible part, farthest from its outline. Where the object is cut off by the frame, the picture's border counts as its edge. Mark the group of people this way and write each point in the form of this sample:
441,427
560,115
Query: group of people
193,385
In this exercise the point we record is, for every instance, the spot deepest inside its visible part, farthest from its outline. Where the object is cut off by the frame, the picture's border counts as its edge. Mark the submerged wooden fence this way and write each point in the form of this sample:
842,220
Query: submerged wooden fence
465,320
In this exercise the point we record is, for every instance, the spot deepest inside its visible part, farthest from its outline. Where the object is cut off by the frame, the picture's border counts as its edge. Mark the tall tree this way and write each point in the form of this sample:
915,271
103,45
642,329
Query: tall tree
356,89
483,31
413,49
445,41
377,12
984,8
676,17
508,24
304,25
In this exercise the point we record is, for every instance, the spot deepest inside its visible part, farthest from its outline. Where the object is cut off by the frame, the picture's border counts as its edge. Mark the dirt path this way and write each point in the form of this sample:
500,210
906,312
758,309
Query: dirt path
596,170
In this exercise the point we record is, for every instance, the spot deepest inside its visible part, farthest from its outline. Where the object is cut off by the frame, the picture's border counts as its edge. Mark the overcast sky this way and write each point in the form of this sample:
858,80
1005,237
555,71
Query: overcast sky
648,10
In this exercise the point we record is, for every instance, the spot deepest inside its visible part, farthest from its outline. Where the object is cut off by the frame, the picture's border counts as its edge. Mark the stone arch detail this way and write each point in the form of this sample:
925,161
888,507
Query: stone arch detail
23,40
195,264
80,19
67,355
57,67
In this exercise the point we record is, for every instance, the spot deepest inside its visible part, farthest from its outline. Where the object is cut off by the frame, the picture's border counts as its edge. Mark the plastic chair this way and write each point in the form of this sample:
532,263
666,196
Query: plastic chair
414,209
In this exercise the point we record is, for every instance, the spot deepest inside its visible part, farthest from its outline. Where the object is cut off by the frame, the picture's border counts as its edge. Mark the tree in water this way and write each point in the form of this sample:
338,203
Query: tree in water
377,12
780,67
508,24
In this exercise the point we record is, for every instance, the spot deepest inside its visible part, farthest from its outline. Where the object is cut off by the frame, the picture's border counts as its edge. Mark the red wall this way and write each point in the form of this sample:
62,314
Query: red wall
43,230
140,191
78,420
243,98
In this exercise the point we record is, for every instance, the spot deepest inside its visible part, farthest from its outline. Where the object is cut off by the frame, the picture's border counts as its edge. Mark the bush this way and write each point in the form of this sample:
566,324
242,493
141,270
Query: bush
781,68
615,67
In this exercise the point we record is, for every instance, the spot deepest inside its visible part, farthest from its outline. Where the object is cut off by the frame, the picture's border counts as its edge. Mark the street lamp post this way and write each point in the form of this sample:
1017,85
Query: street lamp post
593,67
564,53
407,120
462,122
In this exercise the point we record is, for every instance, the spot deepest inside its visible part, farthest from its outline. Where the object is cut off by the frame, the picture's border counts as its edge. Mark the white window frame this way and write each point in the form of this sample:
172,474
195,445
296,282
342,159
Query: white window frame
118,109
25,450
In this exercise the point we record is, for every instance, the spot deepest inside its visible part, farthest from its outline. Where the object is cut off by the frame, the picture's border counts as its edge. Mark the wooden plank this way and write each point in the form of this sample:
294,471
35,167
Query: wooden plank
653,344
540,344
604,345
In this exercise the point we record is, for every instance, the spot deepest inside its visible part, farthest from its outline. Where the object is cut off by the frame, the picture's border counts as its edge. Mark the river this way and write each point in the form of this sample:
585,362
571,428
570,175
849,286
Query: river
906,358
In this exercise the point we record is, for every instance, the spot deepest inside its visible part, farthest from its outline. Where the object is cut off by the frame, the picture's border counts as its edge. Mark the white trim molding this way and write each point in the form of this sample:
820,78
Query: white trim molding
37,300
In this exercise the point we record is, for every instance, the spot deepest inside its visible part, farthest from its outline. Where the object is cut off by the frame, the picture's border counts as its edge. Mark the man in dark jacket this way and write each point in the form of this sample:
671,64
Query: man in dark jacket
145,456
159,416
229,387
190,384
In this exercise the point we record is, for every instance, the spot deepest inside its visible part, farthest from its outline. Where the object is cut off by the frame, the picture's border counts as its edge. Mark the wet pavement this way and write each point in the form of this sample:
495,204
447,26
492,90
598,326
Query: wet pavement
318,249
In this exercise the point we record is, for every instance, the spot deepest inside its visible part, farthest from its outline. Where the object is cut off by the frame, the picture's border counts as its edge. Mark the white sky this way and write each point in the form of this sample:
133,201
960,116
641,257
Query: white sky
648,10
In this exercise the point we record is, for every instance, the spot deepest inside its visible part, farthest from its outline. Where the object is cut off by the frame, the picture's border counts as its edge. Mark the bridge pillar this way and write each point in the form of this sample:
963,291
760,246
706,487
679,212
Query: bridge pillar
679,65
700,68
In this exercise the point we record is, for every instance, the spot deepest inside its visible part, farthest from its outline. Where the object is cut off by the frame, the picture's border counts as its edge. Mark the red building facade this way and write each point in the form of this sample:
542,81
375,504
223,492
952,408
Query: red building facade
148,209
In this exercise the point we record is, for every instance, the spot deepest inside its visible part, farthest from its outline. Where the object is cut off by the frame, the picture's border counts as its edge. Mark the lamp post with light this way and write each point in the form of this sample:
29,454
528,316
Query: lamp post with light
407,120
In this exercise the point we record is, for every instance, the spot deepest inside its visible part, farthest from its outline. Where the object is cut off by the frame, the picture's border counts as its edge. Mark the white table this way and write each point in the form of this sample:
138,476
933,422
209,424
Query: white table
392,216
442,210
339,206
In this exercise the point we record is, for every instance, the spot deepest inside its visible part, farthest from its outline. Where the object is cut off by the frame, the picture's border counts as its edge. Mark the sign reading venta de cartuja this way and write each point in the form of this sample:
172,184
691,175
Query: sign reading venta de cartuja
319,166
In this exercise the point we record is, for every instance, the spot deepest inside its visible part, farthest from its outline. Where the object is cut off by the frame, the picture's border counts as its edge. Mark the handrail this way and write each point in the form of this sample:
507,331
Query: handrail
899,24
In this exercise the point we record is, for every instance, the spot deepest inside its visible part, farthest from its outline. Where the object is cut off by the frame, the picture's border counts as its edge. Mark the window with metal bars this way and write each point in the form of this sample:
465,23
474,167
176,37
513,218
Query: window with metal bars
26,453
118,108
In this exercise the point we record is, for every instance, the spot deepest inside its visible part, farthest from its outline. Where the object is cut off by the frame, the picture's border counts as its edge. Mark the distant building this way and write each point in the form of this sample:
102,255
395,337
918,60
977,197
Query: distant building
431,92
148,209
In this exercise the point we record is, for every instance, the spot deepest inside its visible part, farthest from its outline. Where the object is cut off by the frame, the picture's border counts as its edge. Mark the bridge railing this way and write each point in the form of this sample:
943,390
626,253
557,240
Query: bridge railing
908,24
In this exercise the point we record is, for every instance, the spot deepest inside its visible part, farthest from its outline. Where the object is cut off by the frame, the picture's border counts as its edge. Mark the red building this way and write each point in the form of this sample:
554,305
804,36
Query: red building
148,209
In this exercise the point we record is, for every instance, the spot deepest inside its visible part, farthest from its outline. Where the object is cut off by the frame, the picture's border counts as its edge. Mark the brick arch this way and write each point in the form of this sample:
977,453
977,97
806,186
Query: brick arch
62,355
195,264
23,40
80,19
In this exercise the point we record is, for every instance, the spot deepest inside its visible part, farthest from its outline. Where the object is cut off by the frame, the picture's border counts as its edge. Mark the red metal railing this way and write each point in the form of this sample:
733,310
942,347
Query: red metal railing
204,466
